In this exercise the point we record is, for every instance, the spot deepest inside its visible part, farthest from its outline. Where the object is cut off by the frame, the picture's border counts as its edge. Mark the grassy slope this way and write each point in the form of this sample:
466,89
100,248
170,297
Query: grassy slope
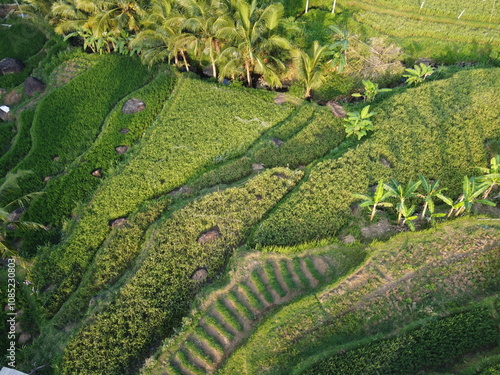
438,129
412,277
258,285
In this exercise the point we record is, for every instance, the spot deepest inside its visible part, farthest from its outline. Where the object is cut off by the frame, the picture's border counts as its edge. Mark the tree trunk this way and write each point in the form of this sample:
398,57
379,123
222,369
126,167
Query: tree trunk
373,212
213,61
422,217
333,7
249,78
185,61
307,6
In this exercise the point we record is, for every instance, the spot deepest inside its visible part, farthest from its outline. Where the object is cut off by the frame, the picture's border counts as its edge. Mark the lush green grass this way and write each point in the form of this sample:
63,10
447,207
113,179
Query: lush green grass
21,41
21,143
77,185
158,295
7,133
430,345
438,129
182,143
413,277
69,119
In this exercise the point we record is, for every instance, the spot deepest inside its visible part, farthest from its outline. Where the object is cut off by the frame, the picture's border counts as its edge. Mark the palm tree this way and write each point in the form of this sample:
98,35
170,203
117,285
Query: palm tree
8,218
310,67
253,44
339,47
407,213
401,193
378,199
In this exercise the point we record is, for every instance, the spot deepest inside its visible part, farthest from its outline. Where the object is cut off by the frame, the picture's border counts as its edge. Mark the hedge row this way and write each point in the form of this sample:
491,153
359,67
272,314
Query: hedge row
65,191
151,304
433,344
204,124
68,119
438,129
21,143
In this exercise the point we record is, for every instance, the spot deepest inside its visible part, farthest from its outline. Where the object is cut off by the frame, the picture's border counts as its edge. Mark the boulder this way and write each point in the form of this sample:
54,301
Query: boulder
200,275
6,9
210,235
426,61
120,222
24,338
277,142
12,98
257,167
120,150
280,99
133,106
32,86
9,65
97,172
124,131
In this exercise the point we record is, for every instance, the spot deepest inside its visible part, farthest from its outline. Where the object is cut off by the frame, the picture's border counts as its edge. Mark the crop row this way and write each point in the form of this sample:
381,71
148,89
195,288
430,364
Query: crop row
20,145
410,27
202,125
441,135
78,183
202,235
479,10
68,119
427,346
413,276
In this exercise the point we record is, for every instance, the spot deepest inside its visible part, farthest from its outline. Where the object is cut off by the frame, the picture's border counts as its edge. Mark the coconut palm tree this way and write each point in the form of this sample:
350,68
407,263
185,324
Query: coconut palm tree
9,219
253,44
310,69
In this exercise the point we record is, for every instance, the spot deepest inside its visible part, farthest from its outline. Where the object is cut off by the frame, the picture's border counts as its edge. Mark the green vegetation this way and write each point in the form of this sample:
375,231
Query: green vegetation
407,283
445,130
157,296
430,345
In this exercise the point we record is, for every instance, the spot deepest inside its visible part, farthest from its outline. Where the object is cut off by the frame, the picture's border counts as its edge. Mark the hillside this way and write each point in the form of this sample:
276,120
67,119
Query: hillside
177,204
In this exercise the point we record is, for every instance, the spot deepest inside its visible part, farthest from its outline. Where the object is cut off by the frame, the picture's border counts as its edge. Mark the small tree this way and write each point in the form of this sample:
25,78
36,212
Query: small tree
407,214
310,67
401,193
378,199
359,123
418,74
471,190
370,91
431,191
491,175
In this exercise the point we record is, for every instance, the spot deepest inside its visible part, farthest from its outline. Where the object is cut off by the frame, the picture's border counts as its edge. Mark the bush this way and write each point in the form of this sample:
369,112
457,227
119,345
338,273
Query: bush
441,135
152,303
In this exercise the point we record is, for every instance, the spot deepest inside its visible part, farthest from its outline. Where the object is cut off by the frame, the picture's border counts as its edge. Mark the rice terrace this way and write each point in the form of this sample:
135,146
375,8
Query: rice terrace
250,187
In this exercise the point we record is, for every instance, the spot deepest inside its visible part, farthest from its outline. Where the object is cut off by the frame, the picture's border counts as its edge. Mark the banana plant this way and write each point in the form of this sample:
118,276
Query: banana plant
431,190
471,190
418,74
491,175
377,200
359,123
407,214
396,190
370,90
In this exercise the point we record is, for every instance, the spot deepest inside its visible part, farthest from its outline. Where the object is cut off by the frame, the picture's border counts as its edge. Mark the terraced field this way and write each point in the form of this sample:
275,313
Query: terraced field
227,316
